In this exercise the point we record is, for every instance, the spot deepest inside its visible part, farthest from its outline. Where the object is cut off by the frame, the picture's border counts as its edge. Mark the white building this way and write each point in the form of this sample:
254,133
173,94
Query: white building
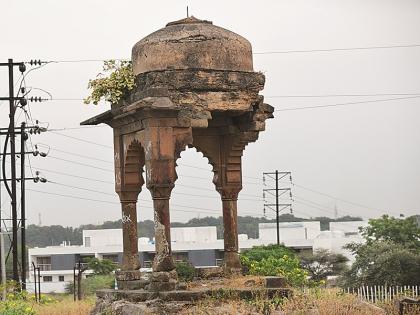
290,231
198,245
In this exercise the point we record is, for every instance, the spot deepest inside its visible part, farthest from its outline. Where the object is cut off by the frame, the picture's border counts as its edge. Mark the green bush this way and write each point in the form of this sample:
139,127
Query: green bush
257,253
17,304
91,284
275,260
185,270
101,266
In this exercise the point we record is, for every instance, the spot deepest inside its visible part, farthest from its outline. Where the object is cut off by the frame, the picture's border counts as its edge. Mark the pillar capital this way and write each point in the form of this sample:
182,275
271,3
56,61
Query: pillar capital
128,196
229,192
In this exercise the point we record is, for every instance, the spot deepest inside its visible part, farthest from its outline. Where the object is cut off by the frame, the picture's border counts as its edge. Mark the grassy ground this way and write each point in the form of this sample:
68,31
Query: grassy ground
325,301
316,302
66,306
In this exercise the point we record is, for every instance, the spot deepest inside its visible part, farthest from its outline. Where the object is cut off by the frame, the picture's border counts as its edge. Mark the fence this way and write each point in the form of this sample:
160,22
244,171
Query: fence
379,293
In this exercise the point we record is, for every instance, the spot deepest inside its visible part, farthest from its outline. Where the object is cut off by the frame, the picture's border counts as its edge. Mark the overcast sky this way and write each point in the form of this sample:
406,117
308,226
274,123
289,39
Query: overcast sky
367,154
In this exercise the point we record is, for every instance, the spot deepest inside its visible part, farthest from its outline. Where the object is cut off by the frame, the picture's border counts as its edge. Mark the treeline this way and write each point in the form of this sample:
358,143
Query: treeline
41,236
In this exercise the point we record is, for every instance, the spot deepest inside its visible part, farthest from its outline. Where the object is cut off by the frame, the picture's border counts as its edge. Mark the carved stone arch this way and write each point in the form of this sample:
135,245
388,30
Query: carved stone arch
133,166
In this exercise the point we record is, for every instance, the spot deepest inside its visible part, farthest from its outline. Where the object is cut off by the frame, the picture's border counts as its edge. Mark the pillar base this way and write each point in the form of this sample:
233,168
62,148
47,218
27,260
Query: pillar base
232,263
163,263
130,280
163,281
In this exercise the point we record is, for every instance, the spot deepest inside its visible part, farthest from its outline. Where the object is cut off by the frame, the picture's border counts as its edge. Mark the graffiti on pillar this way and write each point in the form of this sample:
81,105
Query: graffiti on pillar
126,218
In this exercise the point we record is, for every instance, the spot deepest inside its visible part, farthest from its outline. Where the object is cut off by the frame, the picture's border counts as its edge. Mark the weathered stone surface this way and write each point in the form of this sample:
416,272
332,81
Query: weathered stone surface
192,43
181,286
209,272
132,284
129,295
183,295
275,282
161,82
128,275
164,276
155,286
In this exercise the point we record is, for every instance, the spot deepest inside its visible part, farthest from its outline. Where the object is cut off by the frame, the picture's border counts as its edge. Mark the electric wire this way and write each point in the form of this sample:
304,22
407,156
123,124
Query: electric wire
344,104
204,210
274,52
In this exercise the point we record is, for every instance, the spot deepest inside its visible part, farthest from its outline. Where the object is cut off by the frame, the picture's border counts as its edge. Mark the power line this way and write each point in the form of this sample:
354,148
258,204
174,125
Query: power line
267,52
335,198
335,49
75,128
206,169
110,194
75,154
345,104
337,95
211,211
82,140
82,164
75,176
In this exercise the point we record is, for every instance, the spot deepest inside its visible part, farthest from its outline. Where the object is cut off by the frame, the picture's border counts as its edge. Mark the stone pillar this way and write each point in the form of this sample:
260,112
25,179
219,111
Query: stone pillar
130,259
230,231
163,259
160,180
129,163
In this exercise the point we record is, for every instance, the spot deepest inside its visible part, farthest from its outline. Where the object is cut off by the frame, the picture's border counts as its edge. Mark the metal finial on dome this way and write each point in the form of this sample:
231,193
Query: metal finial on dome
189,20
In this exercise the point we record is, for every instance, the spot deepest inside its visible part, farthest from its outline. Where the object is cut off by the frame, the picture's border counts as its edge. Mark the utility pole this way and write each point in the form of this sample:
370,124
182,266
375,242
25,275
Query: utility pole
277,176
10,133
23,137
3,264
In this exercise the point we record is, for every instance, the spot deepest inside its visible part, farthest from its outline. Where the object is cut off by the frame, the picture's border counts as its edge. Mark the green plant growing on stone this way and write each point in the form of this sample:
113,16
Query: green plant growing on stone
111,85
185,270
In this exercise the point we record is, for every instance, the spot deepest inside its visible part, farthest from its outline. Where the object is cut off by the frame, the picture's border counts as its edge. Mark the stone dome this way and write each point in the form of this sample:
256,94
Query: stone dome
192,44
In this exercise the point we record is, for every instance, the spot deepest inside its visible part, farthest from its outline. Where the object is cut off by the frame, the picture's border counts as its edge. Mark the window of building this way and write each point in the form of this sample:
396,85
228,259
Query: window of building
44,263
61,278
180,256
87,241
111,257
47,278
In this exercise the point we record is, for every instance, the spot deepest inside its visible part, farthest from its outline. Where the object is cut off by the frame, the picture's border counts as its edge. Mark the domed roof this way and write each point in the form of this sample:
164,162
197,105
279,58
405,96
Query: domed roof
192,44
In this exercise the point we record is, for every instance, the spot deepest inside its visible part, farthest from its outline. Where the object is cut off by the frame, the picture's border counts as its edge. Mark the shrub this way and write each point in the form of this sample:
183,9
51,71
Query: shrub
185,270
275,260
257,253
111,86
101,266
91,284
17,304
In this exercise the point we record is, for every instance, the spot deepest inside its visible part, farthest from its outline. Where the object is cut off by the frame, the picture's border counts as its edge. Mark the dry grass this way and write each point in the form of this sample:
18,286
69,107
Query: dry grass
328,302
66,306
320,302
392,309
214,307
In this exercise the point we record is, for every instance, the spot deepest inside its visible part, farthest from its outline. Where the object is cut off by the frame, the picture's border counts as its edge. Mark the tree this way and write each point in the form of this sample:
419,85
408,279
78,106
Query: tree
383,263
101,266
322,263
400,231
